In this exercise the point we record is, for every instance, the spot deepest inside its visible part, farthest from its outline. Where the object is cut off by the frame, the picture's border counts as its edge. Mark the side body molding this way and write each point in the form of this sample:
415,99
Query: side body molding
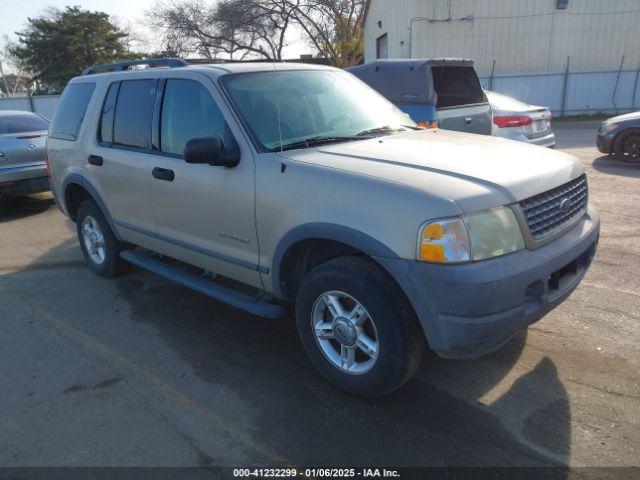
326,231
78,179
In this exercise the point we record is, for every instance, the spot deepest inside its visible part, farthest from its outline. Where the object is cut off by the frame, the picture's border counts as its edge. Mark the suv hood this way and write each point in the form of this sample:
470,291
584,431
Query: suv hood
475,171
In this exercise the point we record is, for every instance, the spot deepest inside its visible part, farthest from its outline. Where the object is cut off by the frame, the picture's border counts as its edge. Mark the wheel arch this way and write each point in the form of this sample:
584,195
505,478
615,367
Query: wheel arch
75,189
306,246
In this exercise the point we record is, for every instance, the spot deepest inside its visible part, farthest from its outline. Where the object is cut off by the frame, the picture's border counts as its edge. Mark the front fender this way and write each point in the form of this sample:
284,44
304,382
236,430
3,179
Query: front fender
326,231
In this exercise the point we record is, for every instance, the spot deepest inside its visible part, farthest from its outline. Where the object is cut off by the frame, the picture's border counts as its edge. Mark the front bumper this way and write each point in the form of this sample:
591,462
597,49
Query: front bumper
472,309
604,142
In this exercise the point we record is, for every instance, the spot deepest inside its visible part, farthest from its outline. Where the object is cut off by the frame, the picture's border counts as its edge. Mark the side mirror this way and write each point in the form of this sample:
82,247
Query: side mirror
209,150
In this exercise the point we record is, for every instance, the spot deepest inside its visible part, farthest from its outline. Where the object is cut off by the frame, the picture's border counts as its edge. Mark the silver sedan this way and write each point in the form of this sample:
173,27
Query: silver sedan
23,138
521,121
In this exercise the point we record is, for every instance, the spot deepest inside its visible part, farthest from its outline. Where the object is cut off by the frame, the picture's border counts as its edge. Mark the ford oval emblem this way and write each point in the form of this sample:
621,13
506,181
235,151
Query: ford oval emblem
565,204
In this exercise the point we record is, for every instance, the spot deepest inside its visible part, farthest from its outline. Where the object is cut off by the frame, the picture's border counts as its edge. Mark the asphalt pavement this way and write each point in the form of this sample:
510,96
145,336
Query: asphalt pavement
139,371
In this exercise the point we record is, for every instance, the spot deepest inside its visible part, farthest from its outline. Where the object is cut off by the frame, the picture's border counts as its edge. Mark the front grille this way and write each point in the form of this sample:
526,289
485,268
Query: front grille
547,212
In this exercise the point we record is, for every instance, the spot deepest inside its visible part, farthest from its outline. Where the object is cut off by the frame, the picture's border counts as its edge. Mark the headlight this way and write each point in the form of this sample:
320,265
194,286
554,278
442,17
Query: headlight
607,127
476,236
444,241
493,233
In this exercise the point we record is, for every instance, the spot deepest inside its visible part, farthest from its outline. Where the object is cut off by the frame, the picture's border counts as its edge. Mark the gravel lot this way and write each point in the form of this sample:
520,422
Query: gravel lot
139,371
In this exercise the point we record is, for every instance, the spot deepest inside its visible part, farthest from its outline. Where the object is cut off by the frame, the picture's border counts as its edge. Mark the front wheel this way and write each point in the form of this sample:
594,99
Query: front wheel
627,146
357,327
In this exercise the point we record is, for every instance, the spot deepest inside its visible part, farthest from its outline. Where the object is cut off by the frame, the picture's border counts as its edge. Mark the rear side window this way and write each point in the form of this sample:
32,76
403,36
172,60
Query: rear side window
132,117
457,86
189,111
22,122
71,110
108,111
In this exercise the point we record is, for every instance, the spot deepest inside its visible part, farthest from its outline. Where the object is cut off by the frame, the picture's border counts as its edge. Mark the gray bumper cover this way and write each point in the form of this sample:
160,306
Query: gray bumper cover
472,309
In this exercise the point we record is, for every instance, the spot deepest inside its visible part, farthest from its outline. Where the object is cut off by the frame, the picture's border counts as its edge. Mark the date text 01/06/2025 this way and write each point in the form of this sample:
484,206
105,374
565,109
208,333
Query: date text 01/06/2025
315,472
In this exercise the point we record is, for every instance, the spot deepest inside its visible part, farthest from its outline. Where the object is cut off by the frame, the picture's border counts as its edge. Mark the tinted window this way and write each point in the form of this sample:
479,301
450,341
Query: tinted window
70,111
132,118
22,122
188,111
108,110
457,86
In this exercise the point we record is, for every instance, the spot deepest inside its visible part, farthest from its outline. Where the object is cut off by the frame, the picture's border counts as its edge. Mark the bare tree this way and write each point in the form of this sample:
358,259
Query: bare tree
334,27
242,28
229,28
261,22
11,68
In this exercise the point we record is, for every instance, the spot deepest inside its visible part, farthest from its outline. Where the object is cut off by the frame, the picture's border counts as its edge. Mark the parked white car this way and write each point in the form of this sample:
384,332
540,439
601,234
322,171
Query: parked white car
521,121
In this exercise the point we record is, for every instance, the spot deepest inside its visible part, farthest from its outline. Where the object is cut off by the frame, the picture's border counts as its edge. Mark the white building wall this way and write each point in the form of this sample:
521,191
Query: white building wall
521,35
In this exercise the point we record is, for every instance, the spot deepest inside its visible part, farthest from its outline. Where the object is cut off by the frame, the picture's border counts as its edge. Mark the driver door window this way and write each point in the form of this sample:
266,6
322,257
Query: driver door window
188,111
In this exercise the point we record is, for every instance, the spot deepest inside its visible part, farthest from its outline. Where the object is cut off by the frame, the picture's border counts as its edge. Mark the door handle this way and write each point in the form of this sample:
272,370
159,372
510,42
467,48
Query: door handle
96,160
163,174
467,121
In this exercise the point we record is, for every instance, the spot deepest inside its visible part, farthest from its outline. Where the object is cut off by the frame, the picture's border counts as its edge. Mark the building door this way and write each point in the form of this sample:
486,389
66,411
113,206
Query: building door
382,46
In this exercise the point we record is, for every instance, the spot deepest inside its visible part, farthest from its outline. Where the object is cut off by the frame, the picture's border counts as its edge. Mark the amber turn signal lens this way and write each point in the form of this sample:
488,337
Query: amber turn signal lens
431,124
444,241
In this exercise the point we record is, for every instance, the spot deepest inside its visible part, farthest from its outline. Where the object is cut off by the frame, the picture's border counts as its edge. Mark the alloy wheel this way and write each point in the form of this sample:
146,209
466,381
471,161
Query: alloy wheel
345,332
93,240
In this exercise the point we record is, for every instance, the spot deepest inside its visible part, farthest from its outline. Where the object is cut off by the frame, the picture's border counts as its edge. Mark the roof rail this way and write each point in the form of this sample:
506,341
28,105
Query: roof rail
122,66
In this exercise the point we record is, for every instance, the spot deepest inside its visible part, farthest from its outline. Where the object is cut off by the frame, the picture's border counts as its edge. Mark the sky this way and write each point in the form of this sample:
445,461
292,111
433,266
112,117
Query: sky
125,13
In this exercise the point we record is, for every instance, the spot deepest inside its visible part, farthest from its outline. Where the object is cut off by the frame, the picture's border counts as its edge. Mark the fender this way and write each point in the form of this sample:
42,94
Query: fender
326,231
78,179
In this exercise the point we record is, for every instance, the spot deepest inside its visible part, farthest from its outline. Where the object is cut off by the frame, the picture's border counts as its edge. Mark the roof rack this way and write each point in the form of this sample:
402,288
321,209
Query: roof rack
122,66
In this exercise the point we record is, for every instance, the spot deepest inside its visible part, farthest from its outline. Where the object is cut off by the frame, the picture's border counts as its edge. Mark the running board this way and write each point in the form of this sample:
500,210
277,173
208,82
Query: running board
218,292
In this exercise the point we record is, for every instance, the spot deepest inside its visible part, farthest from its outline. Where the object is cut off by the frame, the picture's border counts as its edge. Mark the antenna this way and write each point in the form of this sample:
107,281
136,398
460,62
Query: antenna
283,163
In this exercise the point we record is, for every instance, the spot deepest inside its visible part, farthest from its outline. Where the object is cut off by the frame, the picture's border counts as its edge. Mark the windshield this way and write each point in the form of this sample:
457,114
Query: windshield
314,106
502,102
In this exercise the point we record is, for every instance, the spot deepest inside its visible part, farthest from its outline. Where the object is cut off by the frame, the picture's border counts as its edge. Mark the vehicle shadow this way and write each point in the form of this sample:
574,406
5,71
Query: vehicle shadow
440,418
609,165
14,208
500,410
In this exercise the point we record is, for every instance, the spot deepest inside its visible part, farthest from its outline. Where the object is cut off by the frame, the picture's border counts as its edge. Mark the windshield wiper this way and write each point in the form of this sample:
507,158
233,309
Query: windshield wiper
387,129
319,140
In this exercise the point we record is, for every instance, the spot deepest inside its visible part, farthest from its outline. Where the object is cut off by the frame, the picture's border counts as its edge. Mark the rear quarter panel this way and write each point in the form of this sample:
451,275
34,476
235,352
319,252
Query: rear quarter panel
67,157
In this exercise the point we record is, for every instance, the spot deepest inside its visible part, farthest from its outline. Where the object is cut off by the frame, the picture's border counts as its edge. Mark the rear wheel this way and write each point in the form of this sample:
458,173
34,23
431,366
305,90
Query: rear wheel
357,327
627,146
100,247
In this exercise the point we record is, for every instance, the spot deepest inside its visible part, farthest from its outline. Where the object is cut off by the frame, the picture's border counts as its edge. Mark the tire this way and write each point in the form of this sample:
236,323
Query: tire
104,261
388,331
626,146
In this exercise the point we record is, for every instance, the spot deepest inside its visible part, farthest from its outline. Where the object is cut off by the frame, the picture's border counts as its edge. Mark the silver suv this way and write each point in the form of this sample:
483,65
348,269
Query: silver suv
301,184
